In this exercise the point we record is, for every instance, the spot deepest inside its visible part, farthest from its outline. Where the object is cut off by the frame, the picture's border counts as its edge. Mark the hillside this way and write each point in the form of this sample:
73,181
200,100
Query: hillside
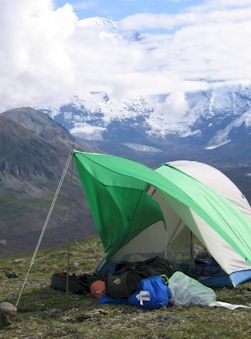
27,160
57,315
33,153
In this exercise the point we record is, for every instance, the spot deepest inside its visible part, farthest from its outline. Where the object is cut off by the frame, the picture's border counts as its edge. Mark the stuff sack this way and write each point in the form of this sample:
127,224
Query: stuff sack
122,285
152,293
186,291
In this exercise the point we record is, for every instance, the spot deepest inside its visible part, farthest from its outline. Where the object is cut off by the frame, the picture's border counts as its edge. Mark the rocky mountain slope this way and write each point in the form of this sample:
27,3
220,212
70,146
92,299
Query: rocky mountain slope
33,153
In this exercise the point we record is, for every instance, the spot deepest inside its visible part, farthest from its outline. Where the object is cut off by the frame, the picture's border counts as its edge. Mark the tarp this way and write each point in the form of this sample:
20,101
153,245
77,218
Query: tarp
116,189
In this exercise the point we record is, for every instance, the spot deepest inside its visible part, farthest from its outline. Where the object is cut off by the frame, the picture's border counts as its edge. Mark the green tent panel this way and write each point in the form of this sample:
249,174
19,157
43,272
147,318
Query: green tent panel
120,206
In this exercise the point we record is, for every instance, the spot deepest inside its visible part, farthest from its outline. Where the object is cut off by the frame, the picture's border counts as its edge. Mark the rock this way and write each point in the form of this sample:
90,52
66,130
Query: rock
74,264
19,260
10,274
72,310
91,315
53,312
168,319
7,313
83,317
100,311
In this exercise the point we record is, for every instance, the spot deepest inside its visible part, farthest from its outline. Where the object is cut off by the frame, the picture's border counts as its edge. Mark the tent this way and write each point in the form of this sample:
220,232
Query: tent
140,212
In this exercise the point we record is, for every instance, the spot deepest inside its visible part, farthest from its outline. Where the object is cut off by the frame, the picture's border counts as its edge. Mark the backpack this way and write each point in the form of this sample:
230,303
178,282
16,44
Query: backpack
123,284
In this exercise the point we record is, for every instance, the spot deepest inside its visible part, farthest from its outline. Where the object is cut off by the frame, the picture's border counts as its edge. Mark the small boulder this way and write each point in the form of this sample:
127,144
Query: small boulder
11,275
74,264
7,313
19,260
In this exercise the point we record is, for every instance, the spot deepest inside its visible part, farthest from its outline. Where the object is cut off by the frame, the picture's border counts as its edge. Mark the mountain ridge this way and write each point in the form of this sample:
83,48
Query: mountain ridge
33,150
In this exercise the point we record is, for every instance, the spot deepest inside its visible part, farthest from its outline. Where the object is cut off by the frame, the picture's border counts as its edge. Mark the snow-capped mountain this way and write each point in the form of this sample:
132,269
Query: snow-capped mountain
104,29
208,119
212,126
205,119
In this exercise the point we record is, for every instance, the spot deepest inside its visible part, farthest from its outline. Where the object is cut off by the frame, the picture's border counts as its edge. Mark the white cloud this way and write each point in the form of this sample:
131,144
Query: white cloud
167,113
48,55
211,4
198,16
34,57
86,131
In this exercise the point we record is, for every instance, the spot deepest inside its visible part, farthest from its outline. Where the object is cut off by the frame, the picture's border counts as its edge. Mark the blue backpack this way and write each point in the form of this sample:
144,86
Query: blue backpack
152,293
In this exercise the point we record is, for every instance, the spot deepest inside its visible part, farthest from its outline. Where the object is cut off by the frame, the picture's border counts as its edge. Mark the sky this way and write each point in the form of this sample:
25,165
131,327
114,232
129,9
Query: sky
117,10
53,51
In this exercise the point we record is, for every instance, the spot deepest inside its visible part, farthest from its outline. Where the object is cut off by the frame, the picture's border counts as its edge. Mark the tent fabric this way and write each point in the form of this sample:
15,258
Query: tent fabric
217,246
151,242
228,259
117,191
215,179
120,206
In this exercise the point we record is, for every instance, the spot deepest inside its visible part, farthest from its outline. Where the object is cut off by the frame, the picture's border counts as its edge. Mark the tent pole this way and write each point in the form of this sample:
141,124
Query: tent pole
68,229
45,224
191,249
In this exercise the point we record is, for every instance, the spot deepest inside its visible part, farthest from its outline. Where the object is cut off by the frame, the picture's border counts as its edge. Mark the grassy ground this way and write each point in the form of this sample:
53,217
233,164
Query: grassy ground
46,313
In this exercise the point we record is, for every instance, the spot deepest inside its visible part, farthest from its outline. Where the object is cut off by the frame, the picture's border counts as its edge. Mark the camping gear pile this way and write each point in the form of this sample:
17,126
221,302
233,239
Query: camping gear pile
143,284
148,279
151,292
157,291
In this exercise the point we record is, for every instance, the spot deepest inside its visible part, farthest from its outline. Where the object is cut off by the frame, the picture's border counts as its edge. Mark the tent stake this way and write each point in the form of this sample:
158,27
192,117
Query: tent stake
45,224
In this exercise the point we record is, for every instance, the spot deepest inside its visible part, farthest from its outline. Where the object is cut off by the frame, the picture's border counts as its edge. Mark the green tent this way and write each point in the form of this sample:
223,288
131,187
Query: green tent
138,210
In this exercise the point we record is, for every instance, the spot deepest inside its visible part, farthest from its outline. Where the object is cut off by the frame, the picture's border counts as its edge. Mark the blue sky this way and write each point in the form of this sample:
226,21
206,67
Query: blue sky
117,10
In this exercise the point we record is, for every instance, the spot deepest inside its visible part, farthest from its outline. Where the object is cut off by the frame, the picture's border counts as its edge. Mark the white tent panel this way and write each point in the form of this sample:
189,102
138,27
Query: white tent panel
149,243
227,258
215,179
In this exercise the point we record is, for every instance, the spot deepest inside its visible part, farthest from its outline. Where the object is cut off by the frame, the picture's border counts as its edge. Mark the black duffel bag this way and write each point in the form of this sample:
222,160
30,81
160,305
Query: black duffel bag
79,284
76,284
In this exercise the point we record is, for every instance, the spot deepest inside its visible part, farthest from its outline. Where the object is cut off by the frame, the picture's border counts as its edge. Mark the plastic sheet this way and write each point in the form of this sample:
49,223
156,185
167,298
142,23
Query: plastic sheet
186,291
